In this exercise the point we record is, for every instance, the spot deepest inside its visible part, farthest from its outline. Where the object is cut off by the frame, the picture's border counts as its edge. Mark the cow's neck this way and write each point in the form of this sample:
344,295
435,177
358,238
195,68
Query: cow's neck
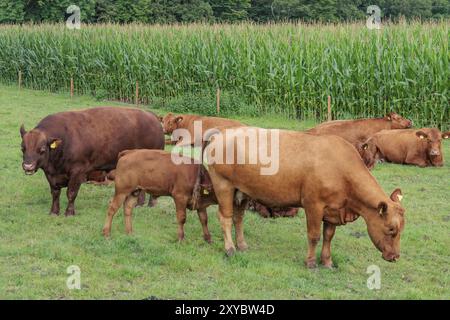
367,194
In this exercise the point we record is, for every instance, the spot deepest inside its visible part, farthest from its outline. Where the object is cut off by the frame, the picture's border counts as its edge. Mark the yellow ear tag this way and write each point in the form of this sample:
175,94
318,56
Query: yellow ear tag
205,191
53,145
422,137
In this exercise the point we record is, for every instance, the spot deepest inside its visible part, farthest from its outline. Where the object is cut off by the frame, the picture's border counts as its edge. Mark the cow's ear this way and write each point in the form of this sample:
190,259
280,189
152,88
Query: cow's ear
396,195
382,208
446,135
421,135
178,119
388,117
22,130
54,143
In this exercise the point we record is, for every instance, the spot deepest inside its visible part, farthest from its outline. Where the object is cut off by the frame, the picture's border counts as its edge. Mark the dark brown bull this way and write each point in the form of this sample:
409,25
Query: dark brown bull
323,174
154,172
68,146
358,131
422,147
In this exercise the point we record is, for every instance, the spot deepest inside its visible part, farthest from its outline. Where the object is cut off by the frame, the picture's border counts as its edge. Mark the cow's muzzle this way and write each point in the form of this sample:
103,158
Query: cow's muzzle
29,168
391,257
435,153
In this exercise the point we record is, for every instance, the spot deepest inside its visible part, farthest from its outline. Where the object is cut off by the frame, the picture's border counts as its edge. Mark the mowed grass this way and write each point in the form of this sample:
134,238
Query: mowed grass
36,249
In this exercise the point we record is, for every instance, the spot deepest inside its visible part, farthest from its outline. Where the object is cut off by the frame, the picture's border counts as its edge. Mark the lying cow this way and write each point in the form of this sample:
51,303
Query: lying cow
267,212
154,172
417,147
68,146
358,131
171,122
334,187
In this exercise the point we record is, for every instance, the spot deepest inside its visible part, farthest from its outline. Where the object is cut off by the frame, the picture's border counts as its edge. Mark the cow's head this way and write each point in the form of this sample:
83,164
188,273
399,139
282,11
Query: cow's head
370,153
170,122
433,138
397,121
386,224
36,148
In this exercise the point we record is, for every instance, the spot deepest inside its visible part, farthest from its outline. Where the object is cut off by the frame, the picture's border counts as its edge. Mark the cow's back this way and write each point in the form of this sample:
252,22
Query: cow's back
307,163
354,131
96,136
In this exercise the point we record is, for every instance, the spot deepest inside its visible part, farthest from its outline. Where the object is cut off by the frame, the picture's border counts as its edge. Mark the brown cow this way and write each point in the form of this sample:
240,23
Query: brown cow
420,147
267,212
323,174
154,172
358,131
172,122
68,146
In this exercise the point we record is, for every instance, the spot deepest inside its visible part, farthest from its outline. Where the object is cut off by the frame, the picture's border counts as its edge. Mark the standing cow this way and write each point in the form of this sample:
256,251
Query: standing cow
68,146
358,131
323,174
421,147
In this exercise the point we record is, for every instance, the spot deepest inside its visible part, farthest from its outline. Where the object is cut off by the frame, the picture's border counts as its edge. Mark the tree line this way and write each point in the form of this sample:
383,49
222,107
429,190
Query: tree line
172,11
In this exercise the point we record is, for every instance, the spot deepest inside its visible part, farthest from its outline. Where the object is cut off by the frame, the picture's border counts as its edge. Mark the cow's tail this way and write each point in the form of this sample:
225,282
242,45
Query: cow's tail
196,193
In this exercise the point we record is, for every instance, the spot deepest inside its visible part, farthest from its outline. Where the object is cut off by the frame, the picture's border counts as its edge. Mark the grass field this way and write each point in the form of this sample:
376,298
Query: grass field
36,249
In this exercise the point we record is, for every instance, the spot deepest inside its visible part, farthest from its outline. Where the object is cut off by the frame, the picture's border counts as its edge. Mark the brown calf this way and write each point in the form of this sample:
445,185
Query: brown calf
154,172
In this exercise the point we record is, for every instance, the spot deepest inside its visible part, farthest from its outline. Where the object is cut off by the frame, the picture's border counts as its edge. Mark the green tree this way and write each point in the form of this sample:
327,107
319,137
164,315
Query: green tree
230,10
11,11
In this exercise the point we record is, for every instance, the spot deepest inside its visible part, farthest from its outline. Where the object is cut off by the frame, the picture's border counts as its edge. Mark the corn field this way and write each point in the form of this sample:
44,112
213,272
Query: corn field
286,68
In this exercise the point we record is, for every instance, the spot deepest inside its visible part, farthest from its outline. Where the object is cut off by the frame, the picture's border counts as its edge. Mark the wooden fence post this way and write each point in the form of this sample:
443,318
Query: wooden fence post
71,87
218,100
329,108
137,93
20,79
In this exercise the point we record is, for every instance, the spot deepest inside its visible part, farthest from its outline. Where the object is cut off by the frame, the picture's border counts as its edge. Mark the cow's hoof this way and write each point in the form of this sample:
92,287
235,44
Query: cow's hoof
70,213
207,239
311,264
230,252
54,214
328,265
242,246
106,233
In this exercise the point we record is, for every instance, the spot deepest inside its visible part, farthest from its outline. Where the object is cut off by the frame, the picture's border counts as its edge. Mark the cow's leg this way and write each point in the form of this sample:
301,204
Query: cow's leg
225,197
203,216
130,203
114,205
238,218
56,192
314,215
141,199
152,202
73,187
328,233
180,206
